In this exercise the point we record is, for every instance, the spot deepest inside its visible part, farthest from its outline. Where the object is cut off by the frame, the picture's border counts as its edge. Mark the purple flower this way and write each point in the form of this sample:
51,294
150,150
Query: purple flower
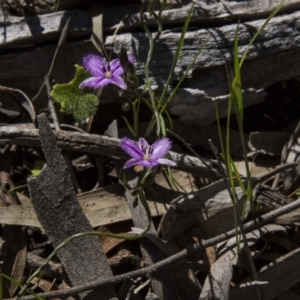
104,72
145,155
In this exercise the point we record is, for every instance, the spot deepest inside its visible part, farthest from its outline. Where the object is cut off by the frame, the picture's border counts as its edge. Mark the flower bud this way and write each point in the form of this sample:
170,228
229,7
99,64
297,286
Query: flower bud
134,193
151,6
130,69
123,57
124,176
150,179
125,106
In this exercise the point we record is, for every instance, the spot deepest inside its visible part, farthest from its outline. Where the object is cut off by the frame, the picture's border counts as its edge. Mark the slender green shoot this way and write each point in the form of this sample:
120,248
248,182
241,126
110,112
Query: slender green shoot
236,98
141,197
1,286
132,131
184,75
273,14
162,107
177,54
236,102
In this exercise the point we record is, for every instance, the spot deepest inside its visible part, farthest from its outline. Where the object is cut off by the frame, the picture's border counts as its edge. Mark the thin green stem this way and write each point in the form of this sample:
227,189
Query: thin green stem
274,12
91,233
162,107
231,184
149,55
136,108
177,54
129,127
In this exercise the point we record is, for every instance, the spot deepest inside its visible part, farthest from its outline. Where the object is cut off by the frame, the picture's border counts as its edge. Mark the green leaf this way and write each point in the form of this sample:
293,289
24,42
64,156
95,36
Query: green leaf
74,100
236,91
38,167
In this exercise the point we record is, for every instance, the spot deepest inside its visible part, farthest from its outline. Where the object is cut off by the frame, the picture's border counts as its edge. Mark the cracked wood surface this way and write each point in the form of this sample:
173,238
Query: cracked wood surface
271,59
27,135
106,205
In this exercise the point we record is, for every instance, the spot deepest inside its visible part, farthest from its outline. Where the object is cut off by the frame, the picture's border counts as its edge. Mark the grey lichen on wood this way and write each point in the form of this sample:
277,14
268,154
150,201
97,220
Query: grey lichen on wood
24,134
281,270
37,29
270,60
205,12
281,34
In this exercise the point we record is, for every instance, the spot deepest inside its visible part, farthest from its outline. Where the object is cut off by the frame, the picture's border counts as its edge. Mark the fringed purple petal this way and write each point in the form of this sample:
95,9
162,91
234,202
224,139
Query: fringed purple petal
131,58
115,64
119,81
148,163
102,82
98,66
90,82
167,162
116,67
132,148
132,162
143,144
161,148
118,71
142,155
94,64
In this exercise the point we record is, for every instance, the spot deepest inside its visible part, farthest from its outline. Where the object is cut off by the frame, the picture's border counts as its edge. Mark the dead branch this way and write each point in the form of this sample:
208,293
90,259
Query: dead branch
193,248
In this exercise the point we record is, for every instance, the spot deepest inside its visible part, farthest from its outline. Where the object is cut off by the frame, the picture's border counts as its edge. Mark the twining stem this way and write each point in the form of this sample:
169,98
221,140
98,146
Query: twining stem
190,250
142,199
149,56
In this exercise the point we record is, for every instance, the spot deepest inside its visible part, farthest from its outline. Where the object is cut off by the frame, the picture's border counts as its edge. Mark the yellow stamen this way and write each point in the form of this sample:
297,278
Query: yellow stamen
107,74
146,157
138,168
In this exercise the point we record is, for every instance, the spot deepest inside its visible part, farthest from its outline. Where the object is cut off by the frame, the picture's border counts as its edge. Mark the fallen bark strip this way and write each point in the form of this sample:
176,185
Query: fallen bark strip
25,135
105,205
54,200
22,135
205,12
208,79
45,27
274,52
280,34
217,283
40,28
100,207
193,248
283,270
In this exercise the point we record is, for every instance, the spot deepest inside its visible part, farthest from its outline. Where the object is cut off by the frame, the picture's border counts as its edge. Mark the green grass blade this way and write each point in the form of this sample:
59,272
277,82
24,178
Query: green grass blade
183,77
177,54
37,297
274,12
162,125
169,119
129,127
219,128
238,177
1,286
236,88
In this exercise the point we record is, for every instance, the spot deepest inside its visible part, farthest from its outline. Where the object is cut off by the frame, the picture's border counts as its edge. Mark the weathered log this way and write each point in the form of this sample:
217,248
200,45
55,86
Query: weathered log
271,59
209,80
40,29
205,12
26,135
